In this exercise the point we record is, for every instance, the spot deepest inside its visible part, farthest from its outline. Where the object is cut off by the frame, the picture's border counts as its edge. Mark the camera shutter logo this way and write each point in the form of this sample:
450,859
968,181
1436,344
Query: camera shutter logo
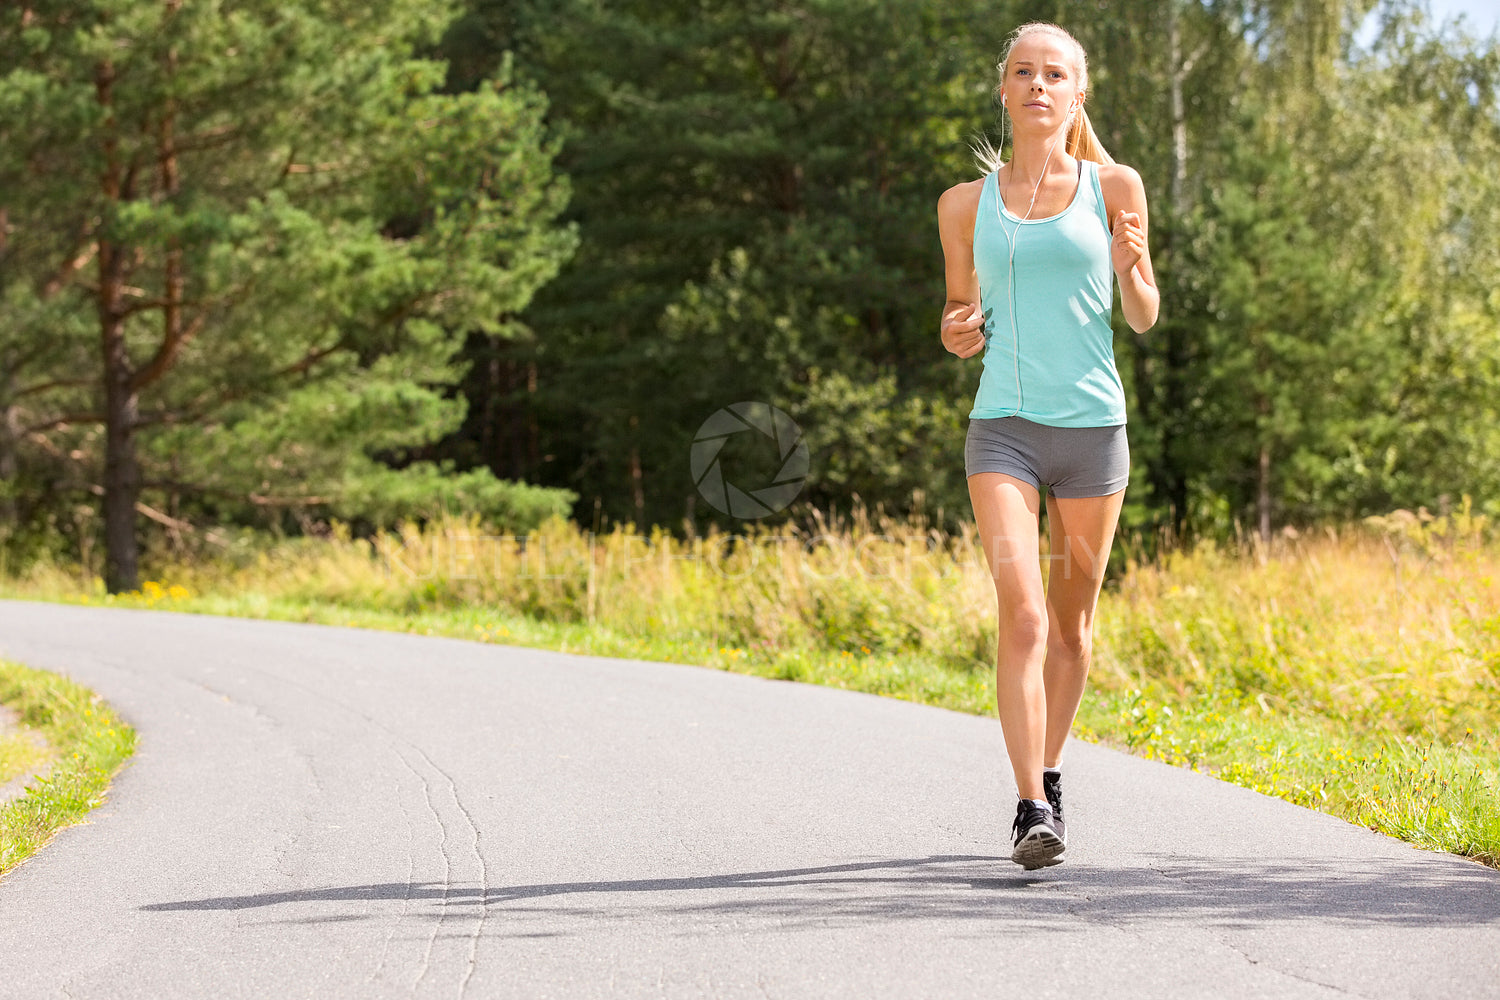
761,500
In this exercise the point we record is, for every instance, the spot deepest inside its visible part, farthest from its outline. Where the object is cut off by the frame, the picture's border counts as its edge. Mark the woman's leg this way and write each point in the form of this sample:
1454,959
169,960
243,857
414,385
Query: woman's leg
1080,532
1005,511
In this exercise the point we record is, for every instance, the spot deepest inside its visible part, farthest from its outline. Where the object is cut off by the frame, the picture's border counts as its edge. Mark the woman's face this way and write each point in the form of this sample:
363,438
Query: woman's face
1041,81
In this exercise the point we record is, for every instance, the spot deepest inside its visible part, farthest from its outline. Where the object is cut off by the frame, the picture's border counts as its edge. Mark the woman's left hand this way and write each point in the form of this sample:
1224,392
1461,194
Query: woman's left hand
1129,243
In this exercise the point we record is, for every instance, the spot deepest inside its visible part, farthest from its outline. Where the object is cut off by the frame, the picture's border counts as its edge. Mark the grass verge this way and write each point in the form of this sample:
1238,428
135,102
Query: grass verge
21,751
89,744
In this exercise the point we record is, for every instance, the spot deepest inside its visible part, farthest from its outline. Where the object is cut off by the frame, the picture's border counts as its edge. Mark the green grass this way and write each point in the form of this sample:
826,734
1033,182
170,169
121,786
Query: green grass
20,752
89,745
1430,793
1356,672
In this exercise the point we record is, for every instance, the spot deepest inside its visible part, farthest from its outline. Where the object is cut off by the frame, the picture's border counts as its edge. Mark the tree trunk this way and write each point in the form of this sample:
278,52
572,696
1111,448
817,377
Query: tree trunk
516,426
637,481
9,425
533,430
1173,333
496,417
1263,494
1263,466
10,434
122,475
1179,114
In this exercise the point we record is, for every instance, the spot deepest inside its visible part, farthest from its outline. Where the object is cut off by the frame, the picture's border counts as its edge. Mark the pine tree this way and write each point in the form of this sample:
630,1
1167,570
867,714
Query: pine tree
242,245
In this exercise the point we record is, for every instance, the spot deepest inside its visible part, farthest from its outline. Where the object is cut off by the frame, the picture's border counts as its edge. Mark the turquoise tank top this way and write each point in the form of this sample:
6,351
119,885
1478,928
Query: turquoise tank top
1057,365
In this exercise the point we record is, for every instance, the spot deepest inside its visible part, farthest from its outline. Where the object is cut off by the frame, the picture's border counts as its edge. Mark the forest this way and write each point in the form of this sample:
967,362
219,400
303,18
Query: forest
270,267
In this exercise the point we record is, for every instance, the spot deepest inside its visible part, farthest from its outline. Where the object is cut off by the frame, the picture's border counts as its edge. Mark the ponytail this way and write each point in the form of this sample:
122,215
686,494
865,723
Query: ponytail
1082,143
987,155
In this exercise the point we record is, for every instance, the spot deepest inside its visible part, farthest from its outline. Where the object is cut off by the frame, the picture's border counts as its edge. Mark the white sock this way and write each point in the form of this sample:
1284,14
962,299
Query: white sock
1041,804
1052,770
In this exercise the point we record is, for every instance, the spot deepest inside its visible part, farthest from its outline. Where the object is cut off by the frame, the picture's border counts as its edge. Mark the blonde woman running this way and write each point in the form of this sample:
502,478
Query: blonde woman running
1031,252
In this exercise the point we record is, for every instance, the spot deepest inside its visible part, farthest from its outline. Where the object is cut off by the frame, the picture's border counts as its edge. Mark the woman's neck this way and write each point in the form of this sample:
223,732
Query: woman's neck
1031,155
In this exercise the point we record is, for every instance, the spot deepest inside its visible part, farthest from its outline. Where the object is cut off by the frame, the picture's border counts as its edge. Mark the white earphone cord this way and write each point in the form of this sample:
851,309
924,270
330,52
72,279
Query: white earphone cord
1012,237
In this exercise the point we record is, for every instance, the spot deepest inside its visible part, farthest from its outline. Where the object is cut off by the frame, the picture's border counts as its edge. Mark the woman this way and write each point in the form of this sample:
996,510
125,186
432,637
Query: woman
1031,251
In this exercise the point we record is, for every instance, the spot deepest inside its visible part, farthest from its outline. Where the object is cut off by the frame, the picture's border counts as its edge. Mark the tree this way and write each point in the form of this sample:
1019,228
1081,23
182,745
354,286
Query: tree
1407,152
755,195
276,231
755,204
1275,312
1347,362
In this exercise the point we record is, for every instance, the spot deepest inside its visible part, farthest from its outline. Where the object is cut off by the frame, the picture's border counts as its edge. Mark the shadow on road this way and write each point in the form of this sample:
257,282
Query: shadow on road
1219,891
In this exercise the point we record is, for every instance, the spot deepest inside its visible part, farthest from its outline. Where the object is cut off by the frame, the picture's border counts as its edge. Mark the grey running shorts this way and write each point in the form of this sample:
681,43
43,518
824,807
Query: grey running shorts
1071,461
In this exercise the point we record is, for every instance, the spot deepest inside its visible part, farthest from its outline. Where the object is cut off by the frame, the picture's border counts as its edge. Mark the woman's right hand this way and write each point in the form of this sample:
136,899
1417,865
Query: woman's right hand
963,329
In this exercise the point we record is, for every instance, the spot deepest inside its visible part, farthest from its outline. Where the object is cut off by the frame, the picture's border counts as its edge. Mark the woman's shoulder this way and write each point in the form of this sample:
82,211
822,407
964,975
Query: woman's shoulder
1120,178
961,199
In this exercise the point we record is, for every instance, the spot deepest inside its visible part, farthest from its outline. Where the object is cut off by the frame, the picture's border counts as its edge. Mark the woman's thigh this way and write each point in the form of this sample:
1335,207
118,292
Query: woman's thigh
1005,512
1080,532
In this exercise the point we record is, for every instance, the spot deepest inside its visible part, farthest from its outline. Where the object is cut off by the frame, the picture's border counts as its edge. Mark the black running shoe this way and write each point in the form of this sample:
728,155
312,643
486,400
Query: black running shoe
1035,839
1052,787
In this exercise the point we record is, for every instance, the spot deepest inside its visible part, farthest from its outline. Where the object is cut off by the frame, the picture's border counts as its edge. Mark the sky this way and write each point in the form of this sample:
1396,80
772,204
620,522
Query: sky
1483,17
1483,14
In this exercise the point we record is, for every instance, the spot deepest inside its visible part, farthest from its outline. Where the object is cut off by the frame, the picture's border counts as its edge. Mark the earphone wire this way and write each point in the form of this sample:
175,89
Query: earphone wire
1013,236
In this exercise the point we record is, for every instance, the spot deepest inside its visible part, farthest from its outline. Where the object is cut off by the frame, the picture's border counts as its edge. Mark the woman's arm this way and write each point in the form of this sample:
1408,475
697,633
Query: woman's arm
1125,204
962,323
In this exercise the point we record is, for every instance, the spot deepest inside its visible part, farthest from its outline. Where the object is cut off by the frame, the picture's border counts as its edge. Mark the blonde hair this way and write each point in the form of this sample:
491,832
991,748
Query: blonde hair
1081,143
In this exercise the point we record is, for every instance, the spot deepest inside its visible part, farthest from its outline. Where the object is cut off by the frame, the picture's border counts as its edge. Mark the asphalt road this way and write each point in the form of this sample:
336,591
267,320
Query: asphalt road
327,813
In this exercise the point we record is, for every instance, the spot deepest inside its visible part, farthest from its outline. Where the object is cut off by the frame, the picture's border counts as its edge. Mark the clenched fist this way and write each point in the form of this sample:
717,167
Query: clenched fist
963,329
1129,243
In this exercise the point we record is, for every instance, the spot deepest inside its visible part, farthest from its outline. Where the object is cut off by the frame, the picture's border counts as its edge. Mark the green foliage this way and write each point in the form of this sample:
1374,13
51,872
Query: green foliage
1349,322
371,257
755,189
384,497
1277,310
296,230
754,182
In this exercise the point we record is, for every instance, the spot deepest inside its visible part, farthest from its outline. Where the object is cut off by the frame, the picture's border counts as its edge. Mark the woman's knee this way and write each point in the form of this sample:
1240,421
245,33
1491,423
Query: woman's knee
1074,641
1023,624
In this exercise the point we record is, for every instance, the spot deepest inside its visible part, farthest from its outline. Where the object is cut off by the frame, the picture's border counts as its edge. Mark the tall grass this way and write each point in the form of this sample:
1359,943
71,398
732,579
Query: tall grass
1356,672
